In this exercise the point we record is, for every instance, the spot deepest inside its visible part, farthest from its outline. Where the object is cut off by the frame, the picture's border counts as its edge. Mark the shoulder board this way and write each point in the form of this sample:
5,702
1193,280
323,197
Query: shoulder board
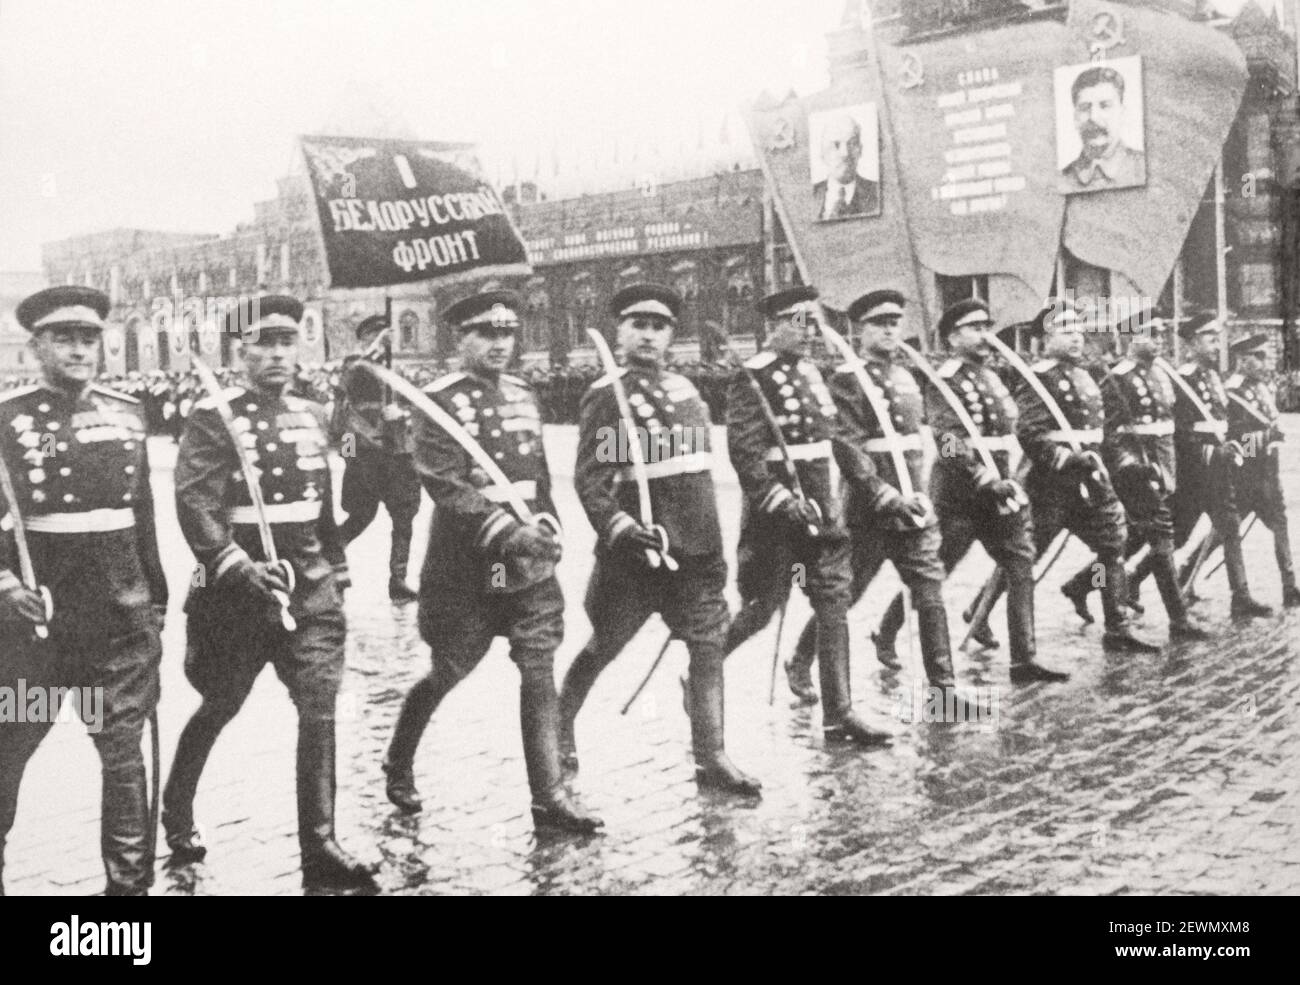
1234,381
22,391
230,393
442,384
1122,367
761,359
517,381
297,404
607,379
850,366
1187,369
950,368
104,391
1043,365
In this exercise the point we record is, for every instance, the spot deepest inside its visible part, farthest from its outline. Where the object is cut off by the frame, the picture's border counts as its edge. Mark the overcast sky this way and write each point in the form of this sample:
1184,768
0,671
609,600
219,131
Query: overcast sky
179,115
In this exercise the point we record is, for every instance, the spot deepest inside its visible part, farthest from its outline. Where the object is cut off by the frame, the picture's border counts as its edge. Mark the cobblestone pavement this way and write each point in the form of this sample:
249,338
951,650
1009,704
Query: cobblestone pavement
1163,774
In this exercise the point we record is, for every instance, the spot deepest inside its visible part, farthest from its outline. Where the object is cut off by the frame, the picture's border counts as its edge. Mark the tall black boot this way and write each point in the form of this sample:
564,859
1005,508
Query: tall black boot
885,638
798,669
417,708
124,831
1133,583
1077,588
1181,626
399,554
578,682
980,632
752,617
1244,605
1285,566
325,865
1118,637
840,723
713,768
539,721
936,654
1021,632
184,839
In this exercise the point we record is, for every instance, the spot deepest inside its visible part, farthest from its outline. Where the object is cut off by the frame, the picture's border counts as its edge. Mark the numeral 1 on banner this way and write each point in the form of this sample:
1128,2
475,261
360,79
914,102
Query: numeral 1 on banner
404,169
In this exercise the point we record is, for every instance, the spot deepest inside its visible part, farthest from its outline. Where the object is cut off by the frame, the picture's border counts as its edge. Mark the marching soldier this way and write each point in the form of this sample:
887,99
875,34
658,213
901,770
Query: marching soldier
885,524
1067,483
1138,449
1206,459
784,525
632,577
974,503
378,467
1253,424
236,623
80,471
486,574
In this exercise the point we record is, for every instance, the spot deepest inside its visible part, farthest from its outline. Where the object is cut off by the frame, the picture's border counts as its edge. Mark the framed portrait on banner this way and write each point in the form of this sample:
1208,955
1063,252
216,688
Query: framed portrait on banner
844,162
1100,126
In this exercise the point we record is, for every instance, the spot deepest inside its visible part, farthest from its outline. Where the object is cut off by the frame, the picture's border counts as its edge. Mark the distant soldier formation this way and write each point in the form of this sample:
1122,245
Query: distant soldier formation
871,455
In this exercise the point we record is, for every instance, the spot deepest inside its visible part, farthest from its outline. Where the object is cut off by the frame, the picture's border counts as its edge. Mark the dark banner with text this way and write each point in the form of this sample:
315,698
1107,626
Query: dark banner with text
402,211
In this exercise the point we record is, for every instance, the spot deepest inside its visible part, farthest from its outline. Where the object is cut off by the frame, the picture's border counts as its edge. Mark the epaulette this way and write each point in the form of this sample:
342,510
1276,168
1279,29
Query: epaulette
296,404
22,391
761,359
441,384
949,368
850,366
1234,381
1043,365
1187,369
230,393
516,380
1122,367
607,379
104,391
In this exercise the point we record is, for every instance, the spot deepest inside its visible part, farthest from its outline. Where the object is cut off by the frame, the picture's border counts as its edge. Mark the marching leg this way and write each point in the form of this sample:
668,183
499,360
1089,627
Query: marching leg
325,865
539,720
418,707
840,723
713,768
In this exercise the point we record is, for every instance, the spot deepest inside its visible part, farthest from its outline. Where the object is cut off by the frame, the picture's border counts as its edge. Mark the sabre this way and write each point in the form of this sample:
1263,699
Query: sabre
775,427
885,422
227,415
26,571
1191,395
776,652
649,674
1245,529
661,556
1049,402
505,488
963,418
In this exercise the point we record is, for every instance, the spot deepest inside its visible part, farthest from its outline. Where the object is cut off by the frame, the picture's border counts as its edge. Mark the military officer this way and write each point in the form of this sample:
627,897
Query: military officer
782,526
1138,450
885,524
373,432
1206,459
973,502
486,573
235,622
1253,424
77,457
1068,484
673,425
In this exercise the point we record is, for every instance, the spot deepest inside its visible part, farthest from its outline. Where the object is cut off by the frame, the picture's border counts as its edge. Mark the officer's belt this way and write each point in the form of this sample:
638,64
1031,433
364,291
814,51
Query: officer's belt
526,488
697,461
1216,428
87,522
903,442
996,442
801,453
1158,428
1084,436
306,511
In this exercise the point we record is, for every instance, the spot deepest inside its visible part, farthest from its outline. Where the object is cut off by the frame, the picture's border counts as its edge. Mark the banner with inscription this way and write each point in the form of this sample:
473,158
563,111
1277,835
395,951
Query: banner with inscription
1194,79
974,125
402,211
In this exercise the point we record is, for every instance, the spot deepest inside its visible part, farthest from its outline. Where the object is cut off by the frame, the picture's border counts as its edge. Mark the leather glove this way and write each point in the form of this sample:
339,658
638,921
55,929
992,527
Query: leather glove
801,513
1006,491
159,616
19,604
909,509
636,539
342,578
529,541
260,578
1231,453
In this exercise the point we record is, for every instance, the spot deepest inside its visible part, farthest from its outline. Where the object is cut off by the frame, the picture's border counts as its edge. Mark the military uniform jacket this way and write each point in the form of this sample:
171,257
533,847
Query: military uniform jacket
801,403
863,450
359,411
994,413
1253,422
1047,444
1194,436
80,469
673,427
471,519
1139,429
284,435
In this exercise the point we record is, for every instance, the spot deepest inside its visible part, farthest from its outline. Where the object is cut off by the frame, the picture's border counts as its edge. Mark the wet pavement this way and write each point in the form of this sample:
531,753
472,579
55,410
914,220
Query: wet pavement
1175,773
